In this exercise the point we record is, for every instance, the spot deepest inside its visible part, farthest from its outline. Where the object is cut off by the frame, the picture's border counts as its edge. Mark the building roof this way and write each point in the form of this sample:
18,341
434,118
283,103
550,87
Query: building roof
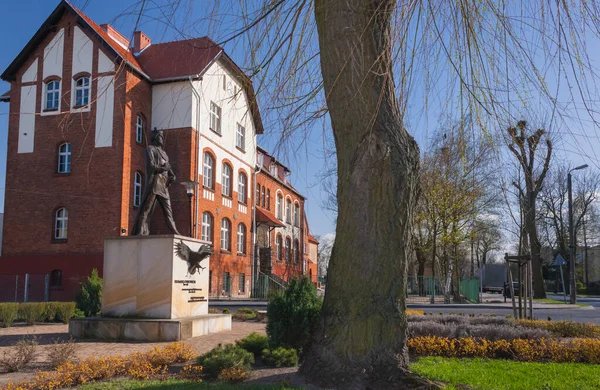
267,219
312,239
190,57
157,63
5,97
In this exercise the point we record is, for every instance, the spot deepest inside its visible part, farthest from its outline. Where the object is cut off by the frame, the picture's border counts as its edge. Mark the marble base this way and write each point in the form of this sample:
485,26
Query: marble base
148,329
143,277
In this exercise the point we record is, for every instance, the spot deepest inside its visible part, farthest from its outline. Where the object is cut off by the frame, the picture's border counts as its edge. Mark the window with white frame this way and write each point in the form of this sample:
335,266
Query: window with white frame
288,210
296,251
240,139
137,189
225,235
242,195
241,238
268,199
215,118
226,180
207,171
297,214
52,95
278,246
288,249
82,91
61,219
207,226
139,129
279,207
64,158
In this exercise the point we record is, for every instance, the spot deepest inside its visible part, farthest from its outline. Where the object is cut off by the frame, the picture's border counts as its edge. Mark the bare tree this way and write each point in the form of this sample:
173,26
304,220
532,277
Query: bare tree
523,144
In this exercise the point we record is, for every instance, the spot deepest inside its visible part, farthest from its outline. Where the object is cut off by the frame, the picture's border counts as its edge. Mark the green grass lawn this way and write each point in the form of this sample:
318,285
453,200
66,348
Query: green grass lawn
498,374
172,384
556,302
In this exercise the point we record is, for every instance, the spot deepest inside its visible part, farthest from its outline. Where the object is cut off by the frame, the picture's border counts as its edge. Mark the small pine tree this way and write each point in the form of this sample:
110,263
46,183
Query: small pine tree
89,298
293,315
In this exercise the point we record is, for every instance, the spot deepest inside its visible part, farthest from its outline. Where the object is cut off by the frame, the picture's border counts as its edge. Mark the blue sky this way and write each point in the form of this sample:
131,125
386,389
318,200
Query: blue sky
576,138
21,19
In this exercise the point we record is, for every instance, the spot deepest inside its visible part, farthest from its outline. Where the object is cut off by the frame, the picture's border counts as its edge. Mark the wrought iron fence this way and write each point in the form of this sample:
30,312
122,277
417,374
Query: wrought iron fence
426,289
228,286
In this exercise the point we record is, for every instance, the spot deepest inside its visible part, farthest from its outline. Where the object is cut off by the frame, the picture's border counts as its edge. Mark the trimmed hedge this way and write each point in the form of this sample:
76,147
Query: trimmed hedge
221,358
280,357
542,350
34,312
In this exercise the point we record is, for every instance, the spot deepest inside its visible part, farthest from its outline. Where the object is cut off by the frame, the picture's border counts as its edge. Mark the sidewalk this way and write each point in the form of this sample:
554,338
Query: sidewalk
235,304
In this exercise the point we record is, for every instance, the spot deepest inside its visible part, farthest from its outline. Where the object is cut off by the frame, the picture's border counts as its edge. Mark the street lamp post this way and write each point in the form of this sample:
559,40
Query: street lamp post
572,292
190,187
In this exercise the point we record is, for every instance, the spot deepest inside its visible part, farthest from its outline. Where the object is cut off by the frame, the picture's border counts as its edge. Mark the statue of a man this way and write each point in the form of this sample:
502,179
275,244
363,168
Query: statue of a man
159,177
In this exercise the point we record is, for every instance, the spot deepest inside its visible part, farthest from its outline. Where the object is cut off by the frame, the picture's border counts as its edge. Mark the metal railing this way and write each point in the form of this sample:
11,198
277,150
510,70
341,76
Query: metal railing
24,288
426,289
267,286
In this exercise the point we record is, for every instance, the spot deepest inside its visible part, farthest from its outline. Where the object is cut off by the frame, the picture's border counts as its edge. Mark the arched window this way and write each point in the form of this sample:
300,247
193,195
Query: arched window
207,172
139,129
52,95
279,207
297,214
56,278
288,249
241,238
296,251
257,200
226,180
242,180
268,199
137,189
288,210
263,196
82,91
61,219
64,158
207,226
278,246
225,235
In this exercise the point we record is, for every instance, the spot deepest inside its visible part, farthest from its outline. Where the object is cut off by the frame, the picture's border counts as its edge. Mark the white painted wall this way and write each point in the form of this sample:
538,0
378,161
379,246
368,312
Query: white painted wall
172,105
53,56
233,111
104,63
30,74
27,119
104,111
82,52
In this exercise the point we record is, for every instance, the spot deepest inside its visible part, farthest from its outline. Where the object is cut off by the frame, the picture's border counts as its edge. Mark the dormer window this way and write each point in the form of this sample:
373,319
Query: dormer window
52,94
82,91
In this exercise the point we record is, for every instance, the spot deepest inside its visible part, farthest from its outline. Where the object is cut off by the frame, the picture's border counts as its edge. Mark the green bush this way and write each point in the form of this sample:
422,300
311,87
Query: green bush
32,312
78,313
225,357
254,343
579,287
65,311
280,357
226,311
8,313
244,314
50,309
89,298
292,315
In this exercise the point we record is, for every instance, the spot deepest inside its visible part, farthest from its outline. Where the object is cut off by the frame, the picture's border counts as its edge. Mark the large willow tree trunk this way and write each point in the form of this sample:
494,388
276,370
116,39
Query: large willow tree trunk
360,340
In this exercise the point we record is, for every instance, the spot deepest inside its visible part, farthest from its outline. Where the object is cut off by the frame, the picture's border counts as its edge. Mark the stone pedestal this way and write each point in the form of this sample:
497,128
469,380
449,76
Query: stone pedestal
143,277
148,293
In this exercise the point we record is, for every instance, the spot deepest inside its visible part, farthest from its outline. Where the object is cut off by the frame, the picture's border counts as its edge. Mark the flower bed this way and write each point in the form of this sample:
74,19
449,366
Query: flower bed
541,350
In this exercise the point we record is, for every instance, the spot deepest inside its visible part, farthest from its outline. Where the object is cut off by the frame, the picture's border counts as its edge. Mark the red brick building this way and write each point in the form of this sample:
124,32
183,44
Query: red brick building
281,225
82,102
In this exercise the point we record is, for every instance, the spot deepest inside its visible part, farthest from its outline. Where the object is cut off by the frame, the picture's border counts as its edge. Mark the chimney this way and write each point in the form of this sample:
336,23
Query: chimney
117,36
140,42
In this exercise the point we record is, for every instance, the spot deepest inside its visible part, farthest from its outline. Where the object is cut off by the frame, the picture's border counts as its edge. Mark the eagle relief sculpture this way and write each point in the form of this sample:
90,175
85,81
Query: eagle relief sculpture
193,258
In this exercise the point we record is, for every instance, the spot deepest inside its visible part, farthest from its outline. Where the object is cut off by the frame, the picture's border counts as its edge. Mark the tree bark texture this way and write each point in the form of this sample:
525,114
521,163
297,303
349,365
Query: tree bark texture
360,339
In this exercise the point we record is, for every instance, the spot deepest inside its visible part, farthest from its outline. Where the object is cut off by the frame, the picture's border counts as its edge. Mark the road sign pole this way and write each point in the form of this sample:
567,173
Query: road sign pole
563,283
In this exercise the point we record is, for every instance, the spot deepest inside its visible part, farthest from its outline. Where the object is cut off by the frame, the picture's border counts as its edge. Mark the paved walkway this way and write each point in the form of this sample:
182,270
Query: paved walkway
47,333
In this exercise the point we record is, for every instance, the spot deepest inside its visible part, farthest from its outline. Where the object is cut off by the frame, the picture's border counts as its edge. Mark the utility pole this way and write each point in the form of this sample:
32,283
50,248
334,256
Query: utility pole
572,290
